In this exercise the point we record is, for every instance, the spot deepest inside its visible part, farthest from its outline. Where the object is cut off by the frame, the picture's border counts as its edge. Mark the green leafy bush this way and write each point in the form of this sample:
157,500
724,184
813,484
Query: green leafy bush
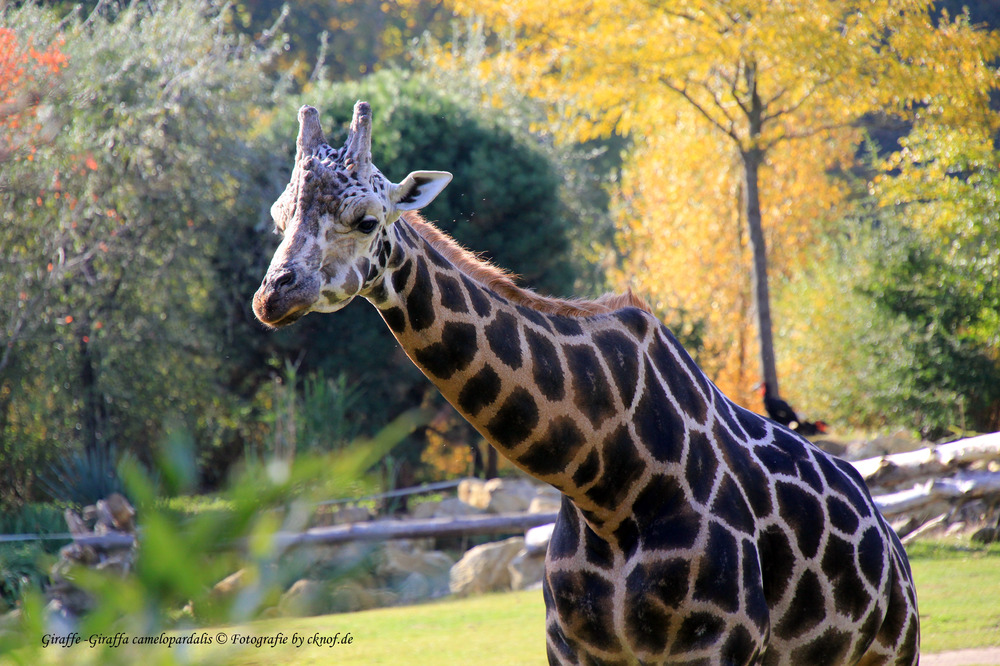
115,317
23,564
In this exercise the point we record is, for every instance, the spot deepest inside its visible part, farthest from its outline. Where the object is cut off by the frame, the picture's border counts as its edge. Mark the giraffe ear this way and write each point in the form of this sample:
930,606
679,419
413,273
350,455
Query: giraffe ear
419,189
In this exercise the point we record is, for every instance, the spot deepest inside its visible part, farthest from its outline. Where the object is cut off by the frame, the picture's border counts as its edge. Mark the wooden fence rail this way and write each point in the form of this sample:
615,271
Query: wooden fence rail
383,530
927,482
378,530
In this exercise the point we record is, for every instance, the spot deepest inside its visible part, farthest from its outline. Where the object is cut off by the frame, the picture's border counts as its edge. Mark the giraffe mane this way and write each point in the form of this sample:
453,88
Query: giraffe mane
503,282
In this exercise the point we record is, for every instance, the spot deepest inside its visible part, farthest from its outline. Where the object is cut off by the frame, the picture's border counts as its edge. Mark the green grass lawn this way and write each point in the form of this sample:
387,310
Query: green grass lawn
489,630
958,589
958,586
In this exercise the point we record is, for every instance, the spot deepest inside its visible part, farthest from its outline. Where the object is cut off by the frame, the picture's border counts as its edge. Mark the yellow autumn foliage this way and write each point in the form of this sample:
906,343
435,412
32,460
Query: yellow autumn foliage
703,88
686,245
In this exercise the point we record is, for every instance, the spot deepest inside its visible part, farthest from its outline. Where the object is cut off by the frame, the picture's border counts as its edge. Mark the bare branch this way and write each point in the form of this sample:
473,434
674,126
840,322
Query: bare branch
682,91
797,105
805,134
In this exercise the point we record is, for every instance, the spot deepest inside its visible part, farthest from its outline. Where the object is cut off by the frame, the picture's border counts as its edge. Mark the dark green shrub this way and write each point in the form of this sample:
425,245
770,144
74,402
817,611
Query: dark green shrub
23,564
504,201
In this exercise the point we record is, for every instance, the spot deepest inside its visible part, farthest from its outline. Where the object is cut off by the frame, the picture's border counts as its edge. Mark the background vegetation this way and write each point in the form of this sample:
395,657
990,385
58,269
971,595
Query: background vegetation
142,143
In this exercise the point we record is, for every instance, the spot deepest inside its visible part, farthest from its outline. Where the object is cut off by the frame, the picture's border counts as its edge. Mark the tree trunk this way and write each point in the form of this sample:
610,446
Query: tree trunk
491,462
752,160
752,154
91,408
886,474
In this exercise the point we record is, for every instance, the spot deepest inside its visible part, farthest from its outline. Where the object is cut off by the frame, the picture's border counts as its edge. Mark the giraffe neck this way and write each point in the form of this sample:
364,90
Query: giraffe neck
558,396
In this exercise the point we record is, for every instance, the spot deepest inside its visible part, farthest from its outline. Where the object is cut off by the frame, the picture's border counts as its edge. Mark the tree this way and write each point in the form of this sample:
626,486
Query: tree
27,77
756,75
342,40
910,298
109,229
935,267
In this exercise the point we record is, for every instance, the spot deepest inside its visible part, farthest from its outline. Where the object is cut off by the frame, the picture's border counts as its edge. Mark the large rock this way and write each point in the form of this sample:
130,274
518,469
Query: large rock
232,584
526,569
305,597
454,507
545,503
897,442
351,596
424,510
471,492
351,514
506,495
415,587
399,561
413,573
324,561
509,495
484,568
327,515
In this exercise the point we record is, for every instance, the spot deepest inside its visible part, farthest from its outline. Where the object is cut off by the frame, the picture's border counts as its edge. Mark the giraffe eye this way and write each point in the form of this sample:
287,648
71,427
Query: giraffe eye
367,224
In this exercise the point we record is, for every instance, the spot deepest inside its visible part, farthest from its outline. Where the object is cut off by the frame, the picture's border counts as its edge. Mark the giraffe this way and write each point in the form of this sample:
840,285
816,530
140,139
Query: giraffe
691,530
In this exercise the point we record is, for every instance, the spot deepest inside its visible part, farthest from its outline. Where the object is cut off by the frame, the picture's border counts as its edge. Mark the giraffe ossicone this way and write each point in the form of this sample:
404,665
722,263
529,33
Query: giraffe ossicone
691,530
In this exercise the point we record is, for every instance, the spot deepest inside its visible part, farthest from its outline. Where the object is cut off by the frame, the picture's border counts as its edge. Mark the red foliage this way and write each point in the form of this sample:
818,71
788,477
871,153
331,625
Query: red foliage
27,74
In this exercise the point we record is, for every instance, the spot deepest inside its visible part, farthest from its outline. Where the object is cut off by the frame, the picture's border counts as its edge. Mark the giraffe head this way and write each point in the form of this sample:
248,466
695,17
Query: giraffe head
334,217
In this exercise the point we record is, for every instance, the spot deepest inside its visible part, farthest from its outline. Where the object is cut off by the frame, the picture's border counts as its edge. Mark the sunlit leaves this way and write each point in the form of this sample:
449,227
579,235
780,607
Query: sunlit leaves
108,235
696,84
912,296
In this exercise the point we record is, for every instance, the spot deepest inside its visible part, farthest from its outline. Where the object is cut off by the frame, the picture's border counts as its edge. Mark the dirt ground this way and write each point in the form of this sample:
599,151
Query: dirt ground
975,657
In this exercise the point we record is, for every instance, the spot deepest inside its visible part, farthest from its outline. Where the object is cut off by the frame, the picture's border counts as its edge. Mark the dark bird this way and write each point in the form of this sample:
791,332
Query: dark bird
809,428
778,410
781,412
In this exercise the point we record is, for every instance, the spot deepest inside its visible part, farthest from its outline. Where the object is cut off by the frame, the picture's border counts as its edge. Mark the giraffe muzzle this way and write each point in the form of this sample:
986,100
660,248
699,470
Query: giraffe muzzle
283,298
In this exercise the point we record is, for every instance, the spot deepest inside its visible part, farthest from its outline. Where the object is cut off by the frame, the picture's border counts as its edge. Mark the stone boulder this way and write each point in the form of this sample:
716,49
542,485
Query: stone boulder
471,492
545,503
424,510
528,566
351,514
232,584
897,442
484,568
526,569
414,573
507,495
304,598
399,559
454,507
330,561
414,588
351,595
327,515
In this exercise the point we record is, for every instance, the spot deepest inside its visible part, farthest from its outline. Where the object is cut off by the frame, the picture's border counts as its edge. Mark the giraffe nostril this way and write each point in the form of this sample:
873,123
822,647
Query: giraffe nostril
283,280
